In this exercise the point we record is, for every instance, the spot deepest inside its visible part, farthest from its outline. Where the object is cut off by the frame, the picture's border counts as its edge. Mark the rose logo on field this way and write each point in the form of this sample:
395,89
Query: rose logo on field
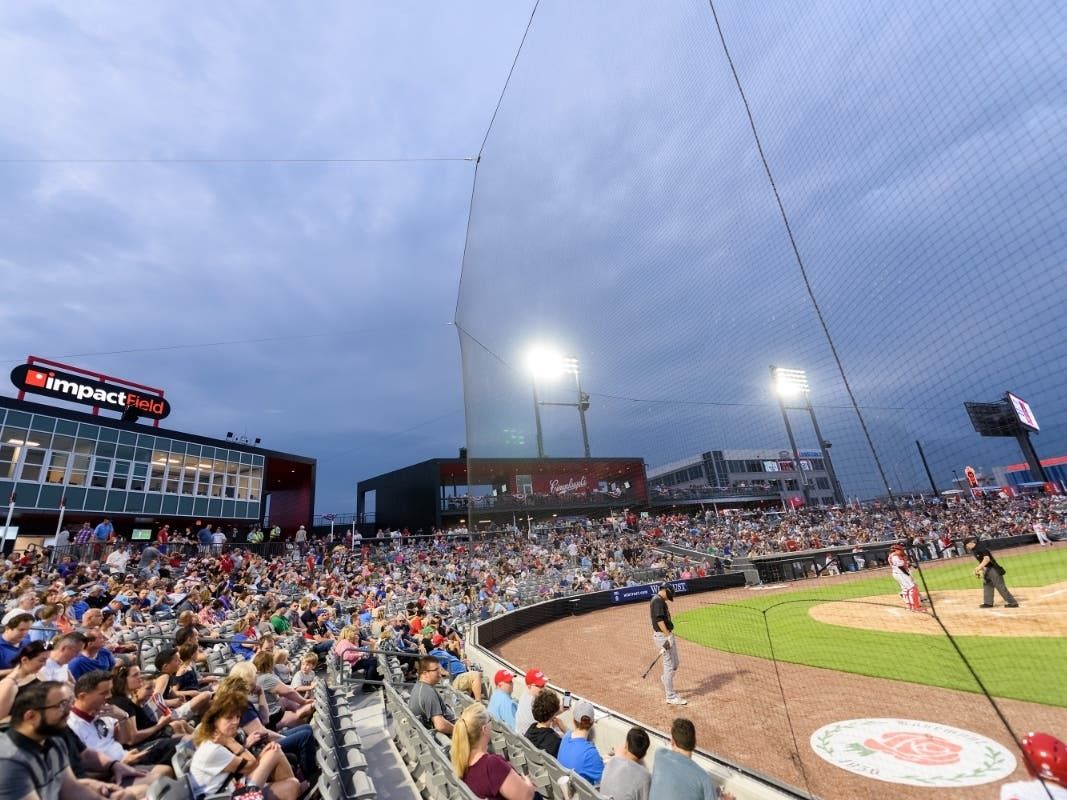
913,752
917,748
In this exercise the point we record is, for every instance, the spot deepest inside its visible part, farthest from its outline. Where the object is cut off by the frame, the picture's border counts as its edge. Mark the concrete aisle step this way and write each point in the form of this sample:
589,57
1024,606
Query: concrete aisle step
385,766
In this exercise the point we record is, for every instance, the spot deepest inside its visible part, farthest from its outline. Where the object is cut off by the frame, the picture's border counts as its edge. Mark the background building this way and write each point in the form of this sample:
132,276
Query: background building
454,492
140,476
738,477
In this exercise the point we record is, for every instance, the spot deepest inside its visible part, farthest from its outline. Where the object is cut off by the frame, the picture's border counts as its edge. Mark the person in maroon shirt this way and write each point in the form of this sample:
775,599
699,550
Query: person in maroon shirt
486,774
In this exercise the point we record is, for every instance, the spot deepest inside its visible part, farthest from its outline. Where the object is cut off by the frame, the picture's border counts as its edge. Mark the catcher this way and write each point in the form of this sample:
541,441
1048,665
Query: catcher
909,592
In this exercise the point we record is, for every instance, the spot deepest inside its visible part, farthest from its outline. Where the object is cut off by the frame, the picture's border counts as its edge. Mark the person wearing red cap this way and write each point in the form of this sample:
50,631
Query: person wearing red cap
1046,761
502,705
535,682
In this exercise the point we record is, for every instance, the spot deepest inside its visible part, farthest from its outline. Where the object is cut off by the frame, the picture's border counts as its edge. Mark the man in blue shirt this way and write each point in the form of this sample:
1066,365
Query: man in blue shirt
501,704
675,776
104,530
576,751
15,633
94,657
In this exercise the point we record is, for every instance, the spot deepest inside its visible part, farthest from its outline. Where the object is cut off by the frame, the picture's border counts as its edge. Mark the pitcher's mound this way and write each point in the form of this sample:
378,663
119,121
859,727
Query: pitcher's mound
1042,611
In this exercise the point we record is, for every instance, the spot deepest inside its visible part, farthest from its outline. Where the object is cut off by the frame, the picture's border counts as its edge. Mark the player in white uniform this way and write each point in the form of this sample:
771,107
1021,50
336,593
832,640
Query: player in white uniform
1046,761
909,592
1041,529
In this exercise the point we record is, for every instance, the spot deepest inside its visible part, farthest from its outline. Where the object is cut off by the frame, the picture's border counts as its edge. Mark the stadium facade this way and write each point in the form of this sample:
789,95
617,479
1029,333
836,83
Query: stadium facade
458,492
138,475
736,476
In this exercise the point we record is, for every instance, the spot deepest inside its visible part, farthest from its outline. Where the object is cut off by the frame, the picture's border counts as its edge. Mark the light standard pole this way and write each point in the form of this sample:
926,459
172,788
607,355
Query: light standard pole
824,448
548,364
583,400
793,382
780,384
537,419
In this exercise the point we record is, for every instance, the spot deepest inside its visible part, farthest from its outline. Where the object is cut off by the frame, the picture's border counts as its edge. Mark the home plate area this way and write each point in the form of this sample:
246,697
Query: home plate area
1041,612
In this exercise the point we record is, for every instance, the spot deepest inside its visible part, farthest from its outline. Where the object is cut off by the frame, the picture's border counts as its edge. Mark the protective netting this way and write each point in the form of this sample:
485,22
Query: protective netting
623,215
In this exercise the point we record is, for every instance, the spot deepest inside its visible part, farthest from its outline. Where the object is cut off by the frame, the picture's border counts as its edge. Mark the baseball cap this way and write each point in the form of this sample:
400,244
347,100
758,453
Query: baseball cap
583,709
535,677
667,588
437,639
503,676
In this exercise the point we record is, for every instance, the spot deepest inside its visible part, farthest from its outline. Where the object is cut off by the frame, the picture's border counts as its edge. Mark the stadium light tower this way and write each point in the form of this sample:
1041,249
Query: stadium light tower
547,364
793,384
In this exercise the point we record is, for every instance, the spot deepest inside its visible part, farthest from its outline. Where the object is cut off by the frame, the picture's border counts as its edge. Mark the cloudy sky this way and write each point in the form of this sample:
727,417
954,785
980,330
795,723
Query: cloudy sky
263,210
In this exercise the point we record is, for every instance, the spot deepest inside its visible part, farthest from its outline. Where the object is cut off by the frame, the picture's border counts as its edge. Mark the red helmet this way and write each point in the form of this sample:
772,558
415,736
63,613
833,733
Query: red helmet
1046,757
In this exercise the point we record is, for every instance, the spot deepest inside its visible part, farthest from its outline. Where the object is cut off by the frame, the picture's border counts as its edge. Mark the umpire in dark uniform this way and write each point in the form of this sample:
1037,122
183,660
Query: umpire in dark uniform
991,573
663,636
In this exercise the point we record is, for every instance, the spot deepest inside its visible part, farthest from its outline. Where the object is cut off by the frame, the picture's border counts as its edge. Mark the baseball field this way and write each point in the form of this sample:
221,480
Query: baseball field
861,627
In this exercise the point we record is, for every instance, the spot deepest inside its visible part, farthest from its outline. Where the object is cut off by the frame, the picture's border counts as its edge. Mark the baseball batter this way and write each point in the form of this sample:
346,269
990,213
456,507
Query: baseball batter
901,568
663,636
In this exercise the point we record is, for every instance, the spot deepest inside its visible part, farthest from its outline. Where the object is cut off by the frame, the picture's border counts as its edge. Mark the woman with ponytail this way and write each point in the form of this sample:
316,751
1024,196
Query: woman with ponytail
486,774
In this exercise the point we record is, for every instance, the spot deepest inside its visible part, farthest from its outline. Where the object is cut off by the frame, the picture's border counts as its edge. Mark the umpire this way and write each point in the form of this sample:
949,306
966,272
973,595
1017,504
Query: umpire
663,636
991,573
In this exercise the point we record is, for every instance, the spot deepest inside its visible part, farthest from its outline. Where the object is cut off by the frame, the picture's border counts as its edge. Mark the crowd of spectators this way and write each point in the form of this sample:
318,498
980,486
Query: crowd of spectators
71,680
929,526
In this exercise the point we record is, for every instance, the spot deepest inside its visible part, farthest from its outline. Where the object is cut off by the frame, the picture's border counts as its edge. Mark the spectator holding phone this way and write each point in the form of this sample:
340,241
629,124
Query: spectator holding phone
220,758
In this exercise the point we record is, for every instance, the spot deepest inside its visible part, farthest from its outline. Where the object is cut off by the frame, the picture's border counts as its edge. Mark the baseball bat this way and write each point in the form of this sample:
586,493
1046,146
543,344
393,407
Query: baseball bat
650,666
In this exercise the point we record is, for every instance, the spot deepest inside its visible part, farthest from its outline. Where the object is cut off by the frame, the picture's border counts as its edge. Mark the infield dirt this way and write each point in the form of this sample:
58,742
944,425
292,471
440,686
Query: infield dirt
753,711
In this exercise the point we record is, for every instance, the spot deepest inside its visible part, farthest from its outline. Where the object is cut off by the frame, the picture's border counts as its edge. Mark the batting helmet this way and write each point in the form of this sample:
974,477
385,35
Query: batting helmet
1046,757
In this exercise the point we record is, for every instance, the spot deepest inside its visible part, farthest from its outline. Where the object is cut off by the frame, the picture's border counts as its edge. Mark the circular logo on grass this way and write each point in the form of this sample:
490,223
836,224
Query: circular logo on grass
913,752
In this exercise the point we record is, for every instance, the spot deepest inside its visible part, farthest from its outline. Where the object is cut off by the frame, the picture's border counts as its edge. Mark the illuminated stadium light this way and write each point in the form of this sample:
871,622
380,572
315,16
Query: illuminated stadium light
789,382
545,363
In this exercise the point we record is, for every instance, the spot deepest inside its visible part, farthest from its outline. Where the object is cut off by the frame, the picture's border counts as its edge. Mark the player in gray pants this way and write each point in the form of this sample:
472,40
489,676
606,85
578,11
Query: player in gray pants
663,636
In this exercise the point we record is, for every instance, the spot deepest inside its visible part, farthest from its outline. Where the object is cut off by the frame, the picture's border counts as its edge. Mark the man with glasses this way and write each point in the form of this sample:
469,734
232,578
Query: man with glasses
425,702
34,760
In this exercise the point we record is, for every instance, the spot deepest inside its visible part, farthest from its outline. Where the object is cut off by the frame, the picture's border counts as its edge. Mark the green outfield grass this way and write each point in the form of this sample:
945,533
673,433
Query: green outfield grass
778,625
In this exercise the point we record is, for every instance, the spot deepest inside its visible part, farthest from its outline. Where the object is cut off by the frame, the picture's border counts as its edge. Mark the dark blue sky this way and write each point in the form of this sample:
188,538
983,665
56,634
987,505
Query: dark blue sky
155,196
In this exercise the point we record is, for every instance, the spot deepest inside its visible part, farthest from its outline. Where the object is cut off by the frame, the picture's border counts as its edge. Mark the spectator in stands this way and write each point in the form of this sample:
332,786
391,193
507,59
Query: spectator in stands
45,626
297,742
502,705
65,649
219,757
184,704
576,750
35,760
543,731
425,702
674,775
15,634
304,680
97,731
30,660
94,657
486,774
535,681
469,683
358,654
130,692
279,717
625,776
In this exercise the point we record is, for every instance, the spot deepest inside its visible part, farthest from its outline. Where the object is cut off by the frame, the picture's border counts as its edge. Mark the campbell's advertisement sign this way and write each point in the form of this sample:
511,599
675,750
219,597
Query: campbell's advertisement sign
61,385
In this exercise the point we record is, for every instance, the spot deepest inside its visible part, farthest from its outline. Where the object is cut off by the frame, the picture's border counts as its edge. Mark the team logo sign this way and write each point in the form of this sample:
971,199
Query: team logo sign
913,752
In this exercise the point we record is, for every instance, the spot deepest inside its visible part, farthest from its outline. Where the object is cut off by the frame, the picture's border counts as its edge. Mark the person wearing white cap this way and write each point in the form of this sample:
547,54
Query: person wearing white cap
576,751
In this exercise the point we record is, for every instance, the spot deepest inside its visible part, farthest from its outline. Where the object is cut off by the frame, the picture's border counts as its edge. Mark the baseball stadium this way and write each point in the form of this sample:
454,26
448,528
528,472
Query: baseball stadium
758,380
